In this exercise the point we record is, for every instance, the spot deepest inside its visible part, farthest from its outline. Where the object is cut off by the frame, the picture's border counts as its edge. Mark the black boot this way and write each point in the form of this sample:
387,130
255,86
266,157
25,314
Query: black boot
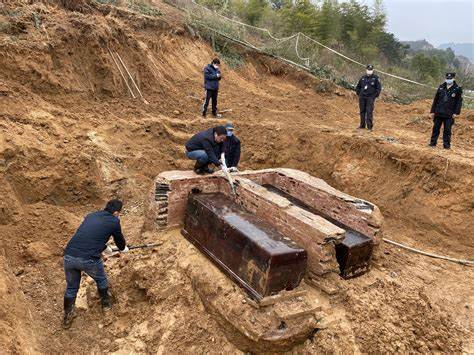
208,170
105,298
68,312
198,168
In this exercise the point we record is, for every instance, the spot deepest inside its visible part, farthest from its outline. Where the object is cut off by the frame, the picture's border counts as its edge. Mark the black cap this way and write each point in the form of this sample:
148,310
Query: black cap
450,75
370,67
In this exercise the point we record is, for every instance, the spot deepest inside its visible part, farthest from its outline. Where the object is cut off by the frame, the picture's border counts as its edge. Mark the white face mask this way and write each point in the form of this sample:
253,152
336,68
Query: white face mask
449,81
370,72
215,66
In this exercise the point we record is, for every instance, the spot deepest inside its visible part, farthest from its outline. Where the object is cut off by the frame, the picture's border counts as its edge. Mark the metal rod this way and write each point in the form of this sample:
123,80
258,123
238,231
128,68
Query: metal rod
141,246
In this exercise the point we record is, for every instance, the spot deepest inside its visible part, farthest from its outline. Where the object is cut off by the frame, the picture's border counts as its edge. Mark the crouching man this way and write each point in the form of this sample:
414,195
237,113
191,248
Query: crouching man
83,254
205,147
231,148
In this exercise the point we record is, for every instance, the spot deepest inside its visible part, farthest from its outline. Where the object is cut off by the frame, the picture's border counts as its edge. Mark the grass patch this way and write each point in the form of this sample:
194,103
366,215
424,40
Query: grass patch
140,6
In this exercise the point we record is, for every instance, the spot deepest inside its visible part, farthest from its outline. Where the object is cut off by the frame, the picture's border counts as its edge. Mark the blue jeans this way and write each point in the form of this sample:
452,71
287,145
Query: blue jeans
74,266
200,156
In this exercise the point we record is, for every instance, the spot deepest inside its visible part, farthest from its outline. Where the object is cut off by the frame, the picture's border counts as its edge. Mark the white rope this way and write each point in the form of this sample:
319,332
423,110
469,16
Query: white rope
252,46
436,256
242,23
306,60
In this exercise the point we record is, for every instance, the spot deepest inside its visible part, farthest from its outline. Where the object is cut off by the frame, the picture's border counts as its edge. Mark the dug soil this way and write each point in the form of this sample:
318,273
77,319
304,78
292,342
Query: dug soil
72,136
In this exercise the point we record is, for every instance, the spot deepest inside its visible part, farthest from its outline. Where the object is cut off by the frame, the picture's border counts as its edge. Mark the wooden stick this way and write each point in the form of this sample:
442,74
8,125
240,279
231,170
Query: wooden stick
121,73
131,78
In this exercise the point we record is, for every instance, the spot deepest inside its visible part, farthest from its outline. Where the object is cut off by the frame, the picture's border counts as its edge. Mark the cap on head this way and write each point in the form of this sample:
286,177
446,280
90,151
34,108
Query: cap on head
216,61
450,75
229,126
370,67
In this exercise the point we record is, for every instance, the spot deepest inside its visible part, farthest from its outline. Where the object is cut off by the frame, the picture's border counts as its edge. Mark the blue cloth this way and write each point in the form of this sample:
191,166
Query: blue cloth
73,268
211,79
91,237
199,155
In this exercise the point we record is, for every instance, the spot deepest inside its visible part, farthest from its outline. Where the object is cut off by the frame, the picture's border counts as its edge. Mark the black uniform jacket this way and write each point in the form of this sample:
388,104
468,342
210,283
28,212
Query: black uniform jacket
369,86
447,101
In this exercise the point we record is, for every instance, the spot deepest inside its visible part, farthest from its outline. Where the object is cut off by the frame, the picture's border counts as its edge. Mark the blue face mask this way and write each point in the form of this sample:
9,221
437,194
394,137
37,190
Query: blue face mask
449,81
229,133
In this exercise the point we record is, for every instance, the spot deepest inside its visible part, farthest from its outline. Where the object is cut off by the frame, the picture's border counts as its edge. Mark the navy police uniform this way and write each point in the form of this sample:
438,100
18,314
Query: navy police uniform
447,102
368,89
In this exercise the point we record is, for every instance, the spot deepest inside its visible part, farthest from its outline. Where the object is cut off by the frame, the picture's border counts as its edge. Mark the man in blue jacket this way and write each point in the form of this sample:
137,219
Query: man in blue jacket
206,147
83,254
446,106
368,89
212,76
231,148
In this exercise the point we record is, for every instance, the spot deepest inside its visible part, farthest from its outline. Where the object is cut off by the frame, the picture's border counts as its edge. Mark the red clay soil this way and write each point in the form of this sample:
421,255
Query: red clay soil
71,137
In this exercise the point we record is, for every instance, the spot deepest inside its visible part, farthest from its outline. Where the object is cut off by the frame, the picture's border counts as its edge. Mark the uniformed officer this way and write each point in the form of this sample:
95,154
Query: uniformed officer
446,106
368,88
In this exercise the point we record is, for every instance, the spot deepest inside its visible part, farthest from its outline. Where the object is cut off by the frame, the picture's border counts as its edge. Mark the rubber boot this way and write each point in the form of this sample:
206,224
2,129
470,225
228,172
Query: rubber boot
68,312
105,299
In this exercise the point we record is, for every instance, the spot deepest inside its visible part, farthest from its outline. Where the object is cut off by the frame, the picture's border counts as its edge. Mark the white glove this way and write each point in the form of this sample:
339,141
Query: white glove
108,250
125,250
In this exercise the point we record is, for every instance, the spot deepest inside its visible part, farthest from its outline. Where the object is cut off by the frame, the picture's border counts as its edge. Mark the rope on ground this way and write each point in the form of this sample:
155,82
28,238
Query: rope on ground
459,261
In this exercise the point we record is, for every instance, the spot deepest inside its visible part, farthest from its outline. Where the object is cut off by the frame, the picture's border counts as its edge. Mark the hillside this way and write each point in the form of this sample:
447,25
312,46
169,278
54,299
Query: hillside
71,137
464,49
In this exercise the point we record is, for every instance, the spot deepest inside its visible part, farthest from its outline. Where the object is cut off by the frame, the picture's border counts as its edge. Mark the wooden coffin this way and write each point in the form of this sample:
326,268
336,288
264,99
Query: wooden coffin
247,249
354,253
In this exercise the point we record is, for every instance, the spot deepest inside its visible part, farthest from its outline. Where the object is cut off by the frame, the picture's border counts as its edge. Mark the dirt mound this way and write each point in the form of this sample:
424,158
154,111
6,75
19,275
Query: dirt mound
71,136
393,321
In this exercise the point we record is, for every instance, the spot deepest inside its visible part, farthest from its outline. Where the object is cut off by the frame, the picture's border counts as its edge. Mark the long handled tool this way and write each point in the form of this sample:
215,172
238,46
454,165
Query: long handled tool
141,246
227,174
121,73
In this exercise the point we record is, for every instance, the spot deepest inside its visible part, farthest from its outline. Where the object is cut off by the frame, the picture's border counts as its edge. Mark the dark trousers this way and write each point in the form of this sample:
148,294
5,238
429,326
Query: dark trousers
210,94
437,122
74,266
366,106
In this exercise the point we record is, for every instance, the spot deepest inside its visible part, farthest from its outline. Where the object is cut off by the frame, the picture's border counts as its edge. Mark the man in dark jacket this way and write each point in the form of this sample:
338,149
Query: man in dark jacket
206,147
446,106
83,254
368,89
212,76
231,148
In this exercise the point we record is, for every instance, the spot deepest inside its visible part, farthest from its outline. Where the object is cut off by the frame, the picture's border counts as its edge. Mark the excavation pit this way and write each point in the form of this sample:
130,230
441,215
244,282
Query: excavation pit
338,232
